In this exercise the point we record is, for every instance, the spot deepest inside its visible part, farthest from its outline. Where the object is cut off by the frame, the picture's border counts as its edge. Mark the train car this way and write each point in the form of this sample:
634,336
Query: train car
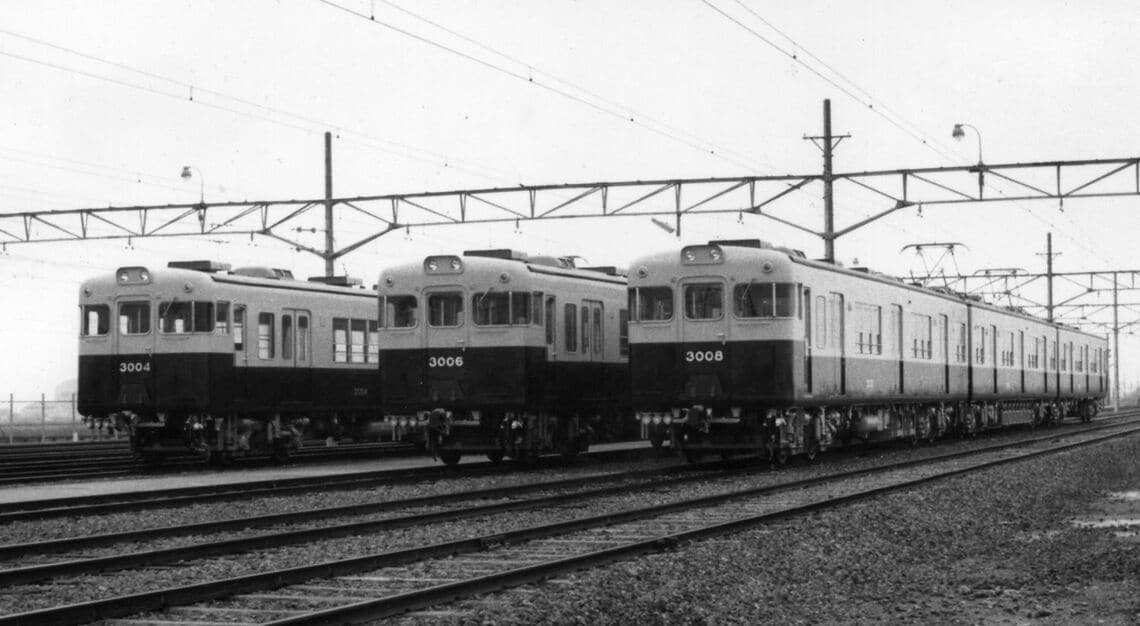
195,358
495,353
738,346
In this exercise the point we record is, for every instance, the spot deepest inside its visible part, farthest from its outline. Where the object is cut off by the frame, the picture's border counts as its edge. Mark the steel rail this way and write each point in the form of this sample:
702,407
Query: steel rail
157,600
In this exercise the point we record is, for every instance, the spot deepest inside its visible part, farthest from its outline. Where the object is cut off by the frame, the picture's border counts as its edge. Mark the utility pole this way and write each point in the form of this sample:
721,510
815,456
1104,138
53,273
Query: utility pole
1115,345
1049,275
827,144
328,206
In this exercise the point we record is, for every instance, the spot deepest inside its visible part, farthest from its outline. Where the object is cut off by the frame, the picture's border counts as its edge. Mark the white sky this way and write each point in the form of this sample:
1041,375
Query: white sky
1041,80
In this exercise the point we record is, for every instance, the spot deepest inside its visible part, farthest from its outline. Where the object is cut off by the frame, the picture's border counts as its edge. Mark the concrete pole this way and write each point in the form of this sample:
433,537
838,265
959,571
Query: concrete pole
1115,345
828,200
1049,274
328,206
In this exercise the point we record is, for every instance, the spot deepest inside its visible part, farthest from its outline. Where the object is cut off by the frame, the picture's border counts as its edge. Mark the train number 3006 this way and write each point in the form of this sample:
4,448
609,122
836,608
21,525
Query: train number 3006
131,367
704,356
451,361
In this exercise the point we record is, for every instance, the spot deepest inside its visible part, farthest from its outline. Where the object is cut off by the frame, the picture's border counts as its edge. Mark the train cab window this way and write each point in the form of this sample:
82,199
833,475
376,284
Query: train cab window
398,311
445,309
134,318
502,308
571,319
752,300
651,304
222,319
598,326
96,320
265,335
550,321
239,328
287,338
520,307
203,317
704,301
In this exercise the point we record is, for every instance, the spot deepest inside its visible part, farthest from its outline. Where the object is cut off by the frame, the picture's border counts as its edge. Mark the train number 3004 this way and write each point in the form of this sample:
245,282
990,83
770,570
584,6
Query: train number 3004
704,356
451,361
131,367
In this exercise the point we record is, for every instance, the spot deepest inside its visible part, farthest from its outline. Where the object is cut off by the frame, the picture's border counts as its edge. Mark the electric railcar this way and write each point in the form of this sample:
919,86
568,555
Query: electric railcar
736,346
227,364
494,353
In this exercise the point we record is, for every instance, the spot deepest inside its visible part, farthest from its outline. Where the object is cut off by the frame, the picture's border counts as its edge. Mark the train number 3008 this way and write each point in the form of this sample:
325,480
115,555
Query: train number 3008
704,356
131,367
451,361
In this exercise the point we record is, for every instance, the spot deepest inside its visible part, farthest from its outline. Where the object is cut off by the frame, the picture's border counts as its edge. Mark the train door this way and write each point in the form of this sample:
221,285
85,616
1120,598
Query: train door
703,307
593,324
944,320
135,342
550,306
994,356
296,356
838,339
1021,357
807,340
447,328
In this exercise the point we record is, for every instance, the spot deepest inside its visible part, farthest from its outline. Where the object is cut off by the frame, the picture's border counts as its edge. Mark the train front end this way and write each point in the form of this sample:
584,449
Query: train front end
154,355
464,357
716,347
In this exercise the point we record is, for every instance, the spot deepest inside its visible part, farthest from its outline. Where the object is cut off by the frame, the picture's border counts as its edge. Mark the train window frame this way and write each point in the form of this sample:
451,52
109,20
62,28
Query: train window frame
287,337
372,342
143,320
203,318
238,328
357,350
398,315
537,317
623,332
170,313
705,303
599,330
585,342
868,321
452,296
302,337
222,317
570,321
776,306
662,308
821,321
101,322
266,335
340,348
549,321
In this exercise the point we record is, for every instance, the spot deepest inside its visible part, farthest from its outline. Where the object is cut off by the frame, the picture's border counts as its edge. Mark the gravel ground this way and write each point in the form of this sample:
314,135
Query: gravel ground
994,547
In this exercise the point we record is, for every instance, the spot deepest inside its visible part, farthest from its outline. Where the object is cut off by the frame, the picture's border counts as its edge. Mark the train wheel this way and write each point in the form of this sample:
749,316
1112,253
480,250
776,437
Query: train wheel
450,458
656,438
812,452
494,456
781,456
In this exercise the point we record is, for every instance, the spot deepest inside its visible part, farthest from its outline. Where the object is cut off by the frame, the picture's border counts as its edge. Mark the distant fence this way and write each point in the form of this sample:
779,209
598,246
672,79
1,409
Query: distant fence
46,420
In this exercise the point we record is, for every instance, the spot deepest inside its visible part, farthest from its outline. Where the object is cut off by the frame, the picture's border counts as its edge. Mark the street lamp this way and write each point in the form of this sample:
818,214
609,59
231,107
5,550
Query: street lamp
959,133
186,175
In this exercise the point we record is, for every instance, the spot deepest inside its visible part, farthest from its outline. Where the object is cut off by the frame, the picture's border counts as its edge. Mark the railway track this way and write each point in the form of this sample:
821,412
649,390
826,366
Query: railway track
393,581
60,462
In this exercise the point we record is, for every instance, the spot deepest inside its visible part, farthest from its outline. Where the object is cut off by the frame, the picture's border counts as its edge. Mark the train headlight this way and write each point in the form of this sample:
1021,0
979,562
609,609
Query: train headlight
455,264
656,419
714,254
667,420
433,265
124,277
689,256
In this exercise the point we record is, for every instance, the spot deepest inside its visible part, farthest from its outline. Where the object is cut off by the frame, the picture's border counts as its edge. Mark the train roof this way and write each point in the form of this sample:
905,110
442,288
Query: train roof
502,259
204,273
758,249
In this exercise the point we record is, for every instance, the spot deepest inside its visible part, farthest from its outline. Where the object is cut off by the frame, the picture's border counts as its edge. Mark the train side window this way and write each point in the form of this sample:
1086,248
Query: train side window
820,321
287,338
265,335
96,320
356,341
704,301
653,304
491,308
571,322
239,328
203,317
134,318
598,333
536,311
623,332
340,340
222,318
175,317
785,300
550,321
302,338
585,330
398,312
445,309
372,353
